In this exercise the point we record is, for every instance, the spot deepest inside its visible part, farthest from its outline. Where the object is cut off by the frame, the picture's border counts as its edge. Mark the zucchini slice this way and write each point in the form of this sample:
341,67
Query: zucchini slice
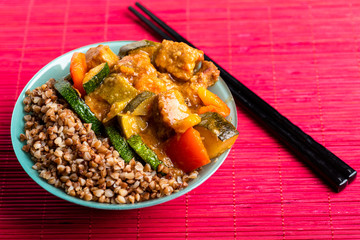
118,92
131,125
218,134
77,104
100,54
115,89
144,151
119,143
95,76
124,50
141,104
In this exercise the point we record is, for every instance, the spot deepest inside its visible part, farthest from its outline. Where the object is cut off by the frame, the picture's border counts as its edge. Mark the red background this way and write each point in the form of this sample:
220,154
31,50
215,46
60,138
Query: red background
300,56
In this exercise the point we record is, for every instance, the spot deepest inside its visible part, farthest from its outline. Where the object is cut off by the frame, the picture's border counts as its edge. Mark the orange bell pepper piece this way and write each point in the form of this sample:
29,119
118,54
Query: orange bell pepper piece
187,122
78,69
187,150
212,103
209,108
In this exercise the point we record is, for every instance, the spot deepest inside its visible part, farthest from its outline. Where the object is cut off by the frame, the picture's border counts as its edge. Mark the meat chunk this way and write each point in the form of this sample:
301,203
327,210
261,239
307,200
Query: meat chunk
139,71
100,54
172,107
134,66
207,76
174,112
152,84
178,59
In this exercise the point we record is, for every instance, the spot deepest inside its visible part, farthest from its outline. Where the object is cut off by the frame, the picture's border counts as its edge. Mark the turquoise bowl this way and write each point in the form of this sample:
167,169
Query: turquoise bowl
59,68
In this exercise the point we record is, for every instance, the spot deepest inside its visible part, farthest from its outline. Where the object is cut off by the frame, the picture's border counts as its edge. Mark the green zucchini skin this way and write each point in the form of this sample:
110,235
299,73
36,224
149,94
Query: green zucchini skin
137,105
119,143
97,79
77,104
144,151
218,125
124,50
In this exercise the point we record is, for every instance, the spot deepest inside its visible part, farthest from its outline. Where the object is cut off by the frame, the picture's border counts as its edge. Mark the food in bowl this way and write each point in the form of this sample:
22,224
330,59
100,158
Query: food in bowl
130,127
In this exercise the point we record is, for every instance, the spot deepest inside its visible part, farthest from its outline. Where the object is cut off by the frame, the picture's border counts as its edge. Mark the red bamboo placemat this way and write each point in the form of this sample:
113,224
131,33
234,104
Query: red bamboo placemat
300,56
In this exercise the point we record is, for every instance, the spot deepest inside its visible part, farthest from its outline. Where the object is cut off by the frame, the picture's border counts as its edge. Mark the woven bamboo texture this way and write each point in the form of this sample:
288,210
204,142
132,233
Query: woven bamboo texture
301,56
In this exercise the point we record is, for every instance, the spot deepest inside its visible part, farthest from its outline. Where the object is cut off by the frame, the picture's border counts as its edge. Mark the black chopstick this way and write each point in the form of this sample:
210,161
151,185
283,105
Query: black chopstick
331,168
145,20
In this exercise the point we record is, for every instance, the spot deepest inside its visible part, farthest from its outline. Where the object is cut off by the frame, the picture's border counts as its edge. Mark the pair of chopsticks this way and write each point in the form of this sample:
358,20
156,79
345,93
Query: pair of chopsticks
336,173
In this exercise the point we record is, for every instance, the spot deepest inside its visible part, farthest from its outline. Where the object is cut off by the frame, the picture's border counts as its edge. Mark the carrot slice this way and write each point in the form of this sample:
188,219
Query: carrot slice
187,150
77,71
212,103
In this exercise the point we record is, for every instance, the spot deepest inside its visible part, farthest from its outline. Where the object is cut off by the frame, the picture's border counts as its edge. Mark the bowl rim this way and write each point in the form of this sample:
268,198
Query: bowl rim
16,143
